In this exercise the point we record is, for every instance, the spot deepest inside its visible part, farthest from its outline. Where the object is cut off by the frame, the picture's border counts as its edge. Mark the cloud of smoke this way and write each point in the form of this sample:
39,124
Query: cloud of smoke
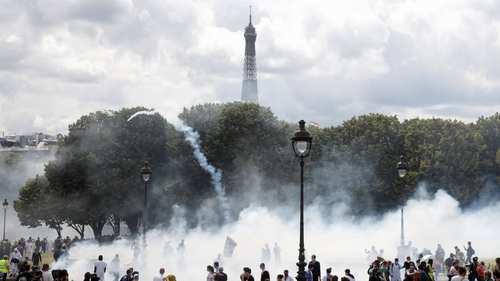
339,242
193,138
15,170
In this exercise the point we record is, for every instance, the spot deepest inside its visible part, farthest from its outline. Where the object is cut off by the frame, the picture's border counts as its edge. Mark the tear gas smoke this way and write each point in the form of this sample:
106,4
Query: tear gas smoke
144,112
193,138
339,244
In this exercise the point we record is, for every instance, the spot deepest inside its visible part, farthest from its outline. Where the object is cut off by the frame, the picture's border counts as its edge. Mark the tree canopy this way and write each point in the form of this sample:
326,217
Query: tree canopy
97,165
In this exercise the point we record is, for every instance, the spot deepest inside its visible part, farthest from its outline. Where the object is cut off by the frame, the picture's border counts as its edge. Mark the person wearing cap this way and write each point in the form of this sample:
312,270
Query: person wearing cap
4,268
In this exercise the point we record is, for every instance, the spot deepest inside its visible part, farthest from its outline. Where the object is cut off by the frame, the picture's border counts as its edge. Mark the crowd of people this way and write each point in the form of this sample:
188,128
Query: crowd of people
216,272
23,259
459,266
24,263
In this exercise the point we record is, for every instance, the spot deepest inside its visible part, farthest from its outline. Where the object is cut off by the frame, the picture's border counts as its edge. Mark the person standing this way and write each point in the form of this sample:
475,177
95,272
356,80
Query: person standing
4,268
473,269
481,271
220,275
277,253
46,274
100,268
309,273
36,258
395,270
160,276
114,268
264,276
469,252
210,273
316,268
286,276
328,275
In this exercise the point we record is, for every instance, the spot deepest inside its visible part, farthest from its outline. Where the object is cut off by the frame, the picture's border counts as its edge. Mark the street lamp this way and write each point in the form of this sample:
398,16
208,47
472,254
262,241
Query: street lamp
146,174
5,204
301,144
402,167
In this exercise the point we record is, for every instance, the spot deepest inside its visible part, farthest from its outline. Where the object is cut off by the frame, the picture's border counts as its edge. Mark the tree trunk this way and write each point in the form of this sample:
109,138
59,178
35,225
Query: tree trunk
97,228
132,223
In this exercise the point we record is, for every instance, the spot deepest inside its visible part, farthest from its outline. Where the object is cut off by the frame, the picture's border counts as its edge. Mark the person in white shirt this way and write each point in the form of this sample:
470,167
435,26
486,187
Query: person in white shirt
286,277
100,268
395,270
328,276
161,276
46,274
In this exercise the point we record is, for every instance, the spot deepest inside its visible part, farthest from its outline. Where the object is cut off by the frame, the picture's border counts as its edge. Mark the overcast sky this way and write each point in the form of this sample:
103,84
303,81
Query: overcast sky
322,61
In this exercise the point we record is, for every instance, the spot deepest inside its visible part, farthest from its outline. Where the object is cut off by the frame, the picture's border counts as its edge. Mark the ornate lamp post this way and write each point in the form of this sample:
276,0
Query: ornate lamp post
146,174
5,204
402,168
301,144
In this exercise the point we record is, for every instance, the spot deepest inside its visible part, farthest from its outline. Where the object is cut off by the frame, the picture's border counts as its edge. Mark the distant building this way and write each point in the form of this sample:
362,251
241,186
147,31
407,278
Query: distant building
29,143
249,91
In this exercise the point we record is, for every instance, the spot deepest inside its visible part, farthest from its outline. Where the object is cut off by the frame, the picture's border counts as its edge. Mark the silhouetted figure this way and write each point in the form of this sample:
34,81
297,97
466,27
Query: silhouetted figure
316,268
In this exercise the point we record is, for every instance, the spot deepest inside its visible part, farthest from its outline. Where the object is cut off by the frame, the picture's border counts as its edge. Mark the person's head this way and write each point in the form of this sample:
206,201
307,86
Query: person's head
430,262
475,259
117,256
210,269
247,271
262,266
455,263
469,243
280,277
135,276
100,257
422,266
347,272
221,269
170,277
87,276
462,271
285,272
452,255
45,267
497,260
408,258
329,270
162,271
396,260
313,257
216,264
130,271
335,278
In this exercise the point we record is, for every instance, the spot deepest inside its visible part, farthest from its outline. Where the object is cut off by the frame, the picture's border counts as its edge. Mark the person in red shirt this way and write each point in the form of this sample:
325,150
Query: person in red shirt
481,271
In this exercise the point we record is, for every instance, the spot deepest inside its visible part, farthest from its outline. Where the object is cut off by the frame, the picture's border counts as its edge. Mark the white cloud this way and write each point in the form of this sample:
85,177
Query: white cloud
319,60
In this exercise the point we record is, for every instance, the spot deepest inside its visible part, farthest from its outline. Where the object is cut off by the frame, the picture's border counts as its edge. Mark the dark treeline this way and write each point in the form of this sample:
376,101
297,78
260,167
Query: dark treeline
94,179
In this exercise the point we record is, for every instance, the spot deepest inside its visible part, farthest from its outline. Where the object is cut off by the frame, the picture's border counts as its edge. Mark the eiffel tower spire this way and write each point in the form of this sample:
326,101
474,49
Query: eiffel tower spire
249,86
